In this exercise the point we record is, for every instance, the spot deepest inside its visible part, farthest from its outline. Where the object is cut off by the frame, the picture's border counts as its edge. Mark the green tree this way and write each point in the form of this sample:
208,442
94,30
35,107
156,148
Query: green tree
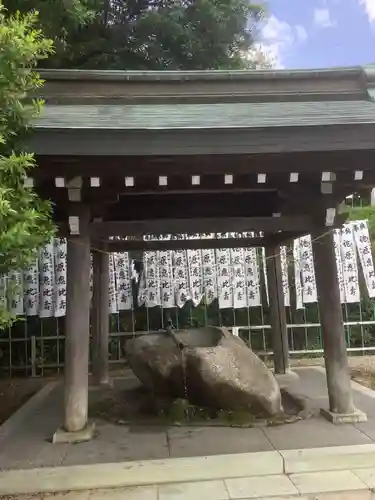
25,222
148,34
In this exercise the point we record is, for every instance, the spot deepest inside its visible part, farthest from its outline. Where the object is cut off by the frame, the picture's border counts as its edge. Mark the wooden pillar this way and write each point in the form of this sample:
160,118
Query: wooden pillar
100,320
277,310
335,354
77,324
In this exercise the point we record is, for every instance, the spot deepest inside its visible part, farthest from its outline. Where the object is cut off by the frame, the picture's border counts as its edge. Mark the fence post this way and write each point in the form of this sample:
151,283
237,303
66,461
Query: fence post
33,356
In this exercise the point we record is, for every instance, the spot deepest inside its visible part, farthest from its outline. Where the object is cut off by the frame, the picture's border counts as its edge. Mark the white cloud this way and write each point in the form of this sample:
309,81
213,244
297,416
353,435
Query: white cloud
322,18
369,6
278,37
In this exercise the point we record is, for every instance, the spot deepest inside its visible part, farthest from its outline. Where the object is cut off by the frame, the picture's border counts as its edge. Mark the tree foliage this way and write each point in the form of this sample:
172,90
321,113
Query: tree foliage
148,34
25,223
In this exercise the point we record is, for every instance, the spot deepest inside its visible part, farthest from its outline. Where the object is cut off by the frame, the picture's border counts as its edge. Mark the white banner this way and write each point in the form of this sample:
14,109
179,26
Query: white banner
363,243
284,275
123,281
151,281
112,306
195,269
252,275
297,273
224,278
181,277
166,279
15,289
340,275
239,279
264,266
209,275
60,255
349,265
309,291
46,281
31,289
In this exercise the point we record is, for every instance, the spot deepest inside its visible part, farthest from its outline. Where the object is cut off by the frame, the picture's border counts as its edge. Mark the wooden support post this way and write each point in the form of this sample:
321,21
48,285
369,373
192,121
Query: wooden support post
277,309
335,353
100,320
77,323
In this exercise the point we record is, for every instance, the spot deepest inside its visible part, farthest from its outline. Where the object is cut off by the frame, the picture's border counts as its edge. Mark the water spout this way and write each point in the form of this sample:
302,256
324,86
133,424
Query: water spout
169,331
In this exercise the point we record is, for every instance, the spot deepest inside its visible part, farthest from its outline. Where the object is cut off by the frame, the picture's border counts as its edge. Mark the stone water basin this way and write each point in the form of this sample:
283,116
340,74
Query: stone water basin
206,366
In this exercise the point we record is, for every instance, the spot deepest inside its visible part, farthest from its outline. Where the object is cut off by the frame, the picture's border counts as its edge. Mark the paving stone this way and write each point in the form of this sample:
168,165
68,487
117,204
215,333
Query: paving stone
320,482
254,487
367,475
213,490
189,442
68,495
140,493
329,458
126,446
314,433
343,495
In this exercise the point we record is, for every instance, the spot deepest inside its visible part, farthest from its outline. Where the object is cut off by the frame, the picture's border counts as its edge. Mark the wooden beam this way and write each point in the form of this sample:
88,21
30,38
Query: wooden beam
153,245
208,164
201,225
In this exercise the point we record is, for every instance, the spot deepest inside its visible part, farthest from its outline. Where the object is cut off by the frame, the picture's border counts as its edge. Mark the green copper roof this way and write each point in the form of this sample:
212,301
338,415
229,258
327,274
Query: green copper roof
199,116
181,75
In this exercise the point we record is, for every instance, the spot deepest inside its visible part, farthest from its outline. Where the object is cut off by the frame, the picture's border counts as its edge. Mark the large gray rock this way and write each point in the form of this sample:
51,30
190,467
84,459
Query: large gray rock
208,366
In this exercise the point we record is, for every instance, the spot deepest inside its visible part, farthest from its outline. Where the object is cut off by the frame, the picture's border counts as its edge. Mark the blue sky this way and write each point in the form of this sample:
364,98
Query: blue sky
320,33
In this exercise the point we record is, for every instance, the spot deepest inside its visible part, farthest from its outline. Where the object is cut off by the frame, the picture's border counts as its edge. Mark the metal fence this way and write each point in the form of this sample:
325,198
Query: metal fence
36,346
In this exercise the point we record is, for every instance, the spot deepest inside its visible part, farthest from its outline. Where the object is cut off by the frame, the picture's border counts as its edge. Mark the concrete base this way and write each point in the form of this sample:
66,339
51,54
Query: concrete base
63,436
344,418
286,379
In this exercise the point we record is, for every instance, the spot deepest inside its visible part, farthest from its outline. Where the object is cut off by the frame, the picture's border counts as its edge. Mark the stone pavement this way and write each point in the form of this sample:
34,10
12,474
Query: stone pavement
28,444
289,461
343,485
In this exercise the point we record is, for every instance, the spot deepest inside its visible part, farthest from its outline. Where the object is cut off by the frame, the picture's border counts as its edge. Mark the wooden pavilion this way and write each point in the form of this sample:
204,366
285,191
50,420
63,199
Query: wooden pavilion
127,153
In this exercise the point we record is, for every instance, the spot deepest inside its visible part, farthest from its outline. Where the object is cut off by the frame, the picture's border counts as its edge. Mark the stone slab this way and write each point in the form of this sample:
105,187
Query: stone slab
330,458
344,495
190,442
367,475
138,493
333,481
62,436
356,417
140,473
286,379
12,424
203,490
259,487
341,495
314,433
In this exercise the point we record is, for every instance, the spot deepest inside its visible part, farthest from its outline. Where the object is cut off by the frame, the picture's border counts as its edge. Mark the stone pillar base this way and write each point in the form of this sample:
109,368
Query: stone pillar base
344,418
63,436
